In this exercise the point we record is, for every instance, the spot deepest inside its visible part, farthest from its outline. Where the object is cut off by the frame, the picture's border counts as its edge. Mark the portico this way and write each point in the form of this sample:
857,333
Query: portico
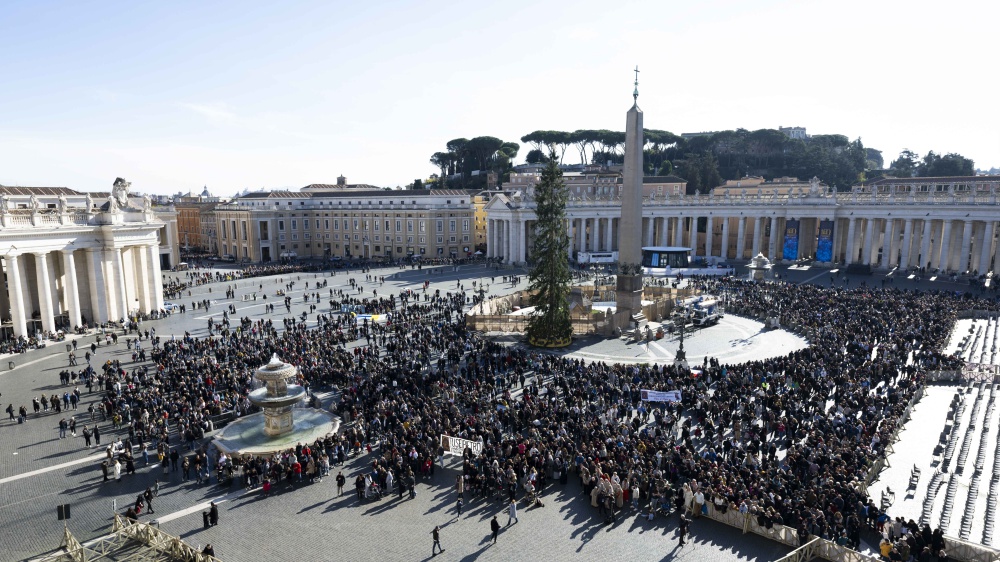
74,262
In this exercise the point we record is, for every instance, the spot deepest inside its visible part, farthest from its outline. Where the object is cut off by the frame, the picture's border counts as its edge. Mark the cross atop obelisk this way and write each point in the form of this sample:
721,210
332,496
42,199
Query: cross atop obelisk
635,93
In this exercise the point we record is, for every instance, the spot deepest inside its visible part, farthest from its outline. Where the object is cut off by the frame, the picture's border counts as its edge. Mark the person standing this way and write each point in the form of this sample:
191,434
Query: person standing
118,471
340,483
213,514
682,529
495,527
97,435
512,512
437,541
458,507
148,494
86,436
62,428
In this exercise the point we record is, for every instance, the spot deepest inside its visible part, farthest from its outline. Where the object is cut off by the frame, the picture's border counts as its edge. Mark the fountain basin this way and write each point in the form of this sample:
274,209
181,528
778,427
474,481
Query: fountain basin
247,435
261,398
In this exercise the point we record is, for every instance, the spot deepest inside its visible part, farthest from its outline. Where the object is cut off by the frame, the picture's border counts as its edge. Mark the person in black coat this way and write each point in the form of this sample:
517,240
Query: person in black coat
213,514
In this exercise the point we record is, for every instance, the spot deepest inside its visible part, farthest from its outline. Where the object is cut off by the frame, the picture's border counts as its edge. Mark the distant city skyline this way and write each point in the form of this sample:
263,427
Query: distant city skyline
174,97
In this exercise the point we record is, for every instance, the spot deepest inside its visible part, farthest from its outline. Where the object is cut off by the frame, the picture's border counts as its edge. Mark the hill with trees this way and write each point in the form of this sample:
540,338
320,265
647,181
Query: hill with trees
705,161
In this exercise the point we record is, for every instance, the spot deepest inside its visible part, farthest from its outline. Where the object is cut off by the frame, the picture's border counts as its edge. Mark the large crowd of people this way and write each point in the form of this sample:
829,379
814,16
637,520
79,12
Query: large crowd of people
789,439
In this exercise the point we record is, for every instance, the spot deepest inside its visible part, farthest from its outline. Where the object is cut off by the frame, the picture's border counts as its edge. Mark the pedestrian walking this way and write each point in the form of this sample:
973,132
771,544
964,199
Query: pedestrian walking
512,512
458,507
148,494
340,483
495,527
437,541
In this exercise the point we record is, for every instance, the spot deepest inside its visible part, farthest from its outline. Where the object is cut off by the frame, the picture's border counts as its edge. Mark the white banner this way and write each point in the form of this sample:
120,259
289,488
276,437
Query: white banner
457,445
661,395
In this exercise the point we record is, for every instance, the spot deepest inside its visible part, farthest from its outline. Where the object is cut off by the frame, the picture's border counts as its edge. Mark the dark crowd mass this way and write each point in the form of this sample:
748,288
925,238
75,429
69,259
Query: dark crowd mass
788,440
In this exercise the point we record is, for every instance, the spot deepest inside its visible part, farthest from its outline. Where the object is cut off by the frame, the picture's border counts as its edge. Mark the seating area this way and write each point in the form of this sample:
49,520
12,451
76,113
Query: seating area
967,428
978,340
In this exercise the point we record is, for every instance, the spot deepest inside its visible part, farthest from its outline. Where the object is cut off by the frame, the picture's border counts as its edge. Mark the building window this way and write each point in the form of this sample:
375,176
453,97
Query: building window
440,226
409,226
465,225
281,225
326,224
451,226
295,224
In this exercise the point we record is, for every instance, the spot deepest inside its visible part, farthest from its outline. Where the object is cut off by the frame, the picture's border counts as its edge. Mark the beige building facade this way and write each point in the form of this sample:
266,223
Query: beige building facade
348,224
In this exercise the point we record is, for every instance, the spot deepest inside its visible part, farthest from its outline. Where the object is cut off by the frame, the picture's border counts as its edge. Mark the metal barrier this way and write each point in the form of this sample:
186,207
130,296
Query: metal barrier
159,540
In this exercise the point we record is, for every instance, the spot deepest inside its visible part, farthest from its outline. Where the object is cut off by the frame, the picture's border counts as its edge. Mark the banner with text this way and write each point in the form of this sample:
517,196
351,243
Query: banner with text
824,244
457,445
660,395
790,250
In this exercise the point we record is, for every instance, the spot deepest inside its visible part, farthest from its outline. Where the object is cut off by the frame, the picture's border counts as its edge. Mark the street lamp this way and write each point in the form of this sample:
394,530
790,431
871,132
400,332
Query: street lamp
680,360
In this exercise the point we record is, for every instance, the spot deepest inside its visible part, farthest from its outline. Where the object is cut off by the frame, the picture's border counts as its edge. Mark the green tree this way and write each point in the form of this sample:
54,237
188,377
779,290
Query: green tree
536,156
905,166
936,166
550,277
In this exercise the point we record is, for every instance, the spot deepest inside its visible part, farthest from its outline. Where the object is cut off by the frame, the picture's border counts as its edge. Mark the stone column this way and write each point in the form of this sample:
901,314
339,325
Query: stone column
852,251
741,238
945,246
95,272
156,276
597,234
963,258
649,232
506,241
725,239
866,250
904,262
663,231
17,301
71,288
758,230
925,245
116,276
489,238
609,239
708,236
772,240
678,227
44,292
989,230
887,243
143,282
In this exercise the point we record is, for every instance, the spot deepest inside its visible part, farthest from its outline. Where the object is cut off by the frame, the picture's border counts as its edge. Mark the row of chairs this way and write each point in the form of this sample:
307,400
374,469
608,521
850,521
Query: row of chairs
966,436
991,499
950,434
968,518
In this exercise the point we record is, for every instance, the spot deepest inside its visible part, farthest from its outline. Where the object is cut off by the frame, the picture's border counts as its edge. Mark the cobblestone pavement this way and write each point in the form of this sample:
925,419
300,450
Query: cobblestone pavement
39,471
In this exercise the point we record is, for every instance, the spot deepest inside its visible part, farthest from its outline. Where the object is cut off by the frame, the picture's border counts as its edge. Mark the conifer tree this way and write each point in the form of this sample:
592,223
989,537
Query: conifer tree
550,277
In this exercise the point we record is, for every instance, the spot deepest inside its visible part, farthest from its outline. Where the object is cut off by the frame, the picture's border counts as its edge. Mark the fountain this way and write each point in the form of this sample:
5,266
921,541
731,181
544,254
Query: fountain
275,429
277,397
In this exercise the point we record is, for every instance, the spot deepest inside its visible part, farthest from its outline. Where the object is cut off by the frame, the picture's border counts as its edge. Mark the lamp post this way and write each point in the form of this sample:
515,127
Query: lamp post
680,360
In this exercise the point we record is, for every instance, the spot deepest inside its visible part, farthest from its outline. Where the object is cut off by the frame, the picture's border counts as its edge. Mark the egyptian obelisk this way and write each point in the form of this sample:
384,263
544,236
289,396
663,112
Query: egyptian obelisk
628,293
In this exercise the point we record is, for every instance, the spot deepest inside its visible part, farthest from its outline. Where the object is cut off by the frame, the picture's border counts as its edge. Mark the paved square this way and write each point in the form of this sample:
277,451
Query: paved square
39,471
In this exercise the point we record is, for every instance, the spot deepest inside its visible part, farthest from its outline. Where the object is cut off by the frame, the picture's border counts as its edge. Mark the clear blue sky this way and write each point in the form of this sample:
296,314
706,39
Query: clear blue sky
176,95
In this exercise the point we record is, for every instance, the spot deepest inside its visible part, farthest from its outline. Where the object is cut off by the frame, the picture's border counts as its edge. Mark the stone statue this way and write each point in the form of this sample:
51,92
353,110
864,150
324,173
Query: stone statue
147,203
743,193
89,203
112,204
63,204
33,203
814,186
4,204
119,191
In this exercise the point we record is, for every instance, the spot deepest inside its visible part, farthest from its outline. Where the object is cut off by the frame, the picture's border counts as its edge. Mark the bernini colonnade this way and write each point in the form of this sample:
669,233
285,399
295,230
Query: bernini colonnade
933,223
69,260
